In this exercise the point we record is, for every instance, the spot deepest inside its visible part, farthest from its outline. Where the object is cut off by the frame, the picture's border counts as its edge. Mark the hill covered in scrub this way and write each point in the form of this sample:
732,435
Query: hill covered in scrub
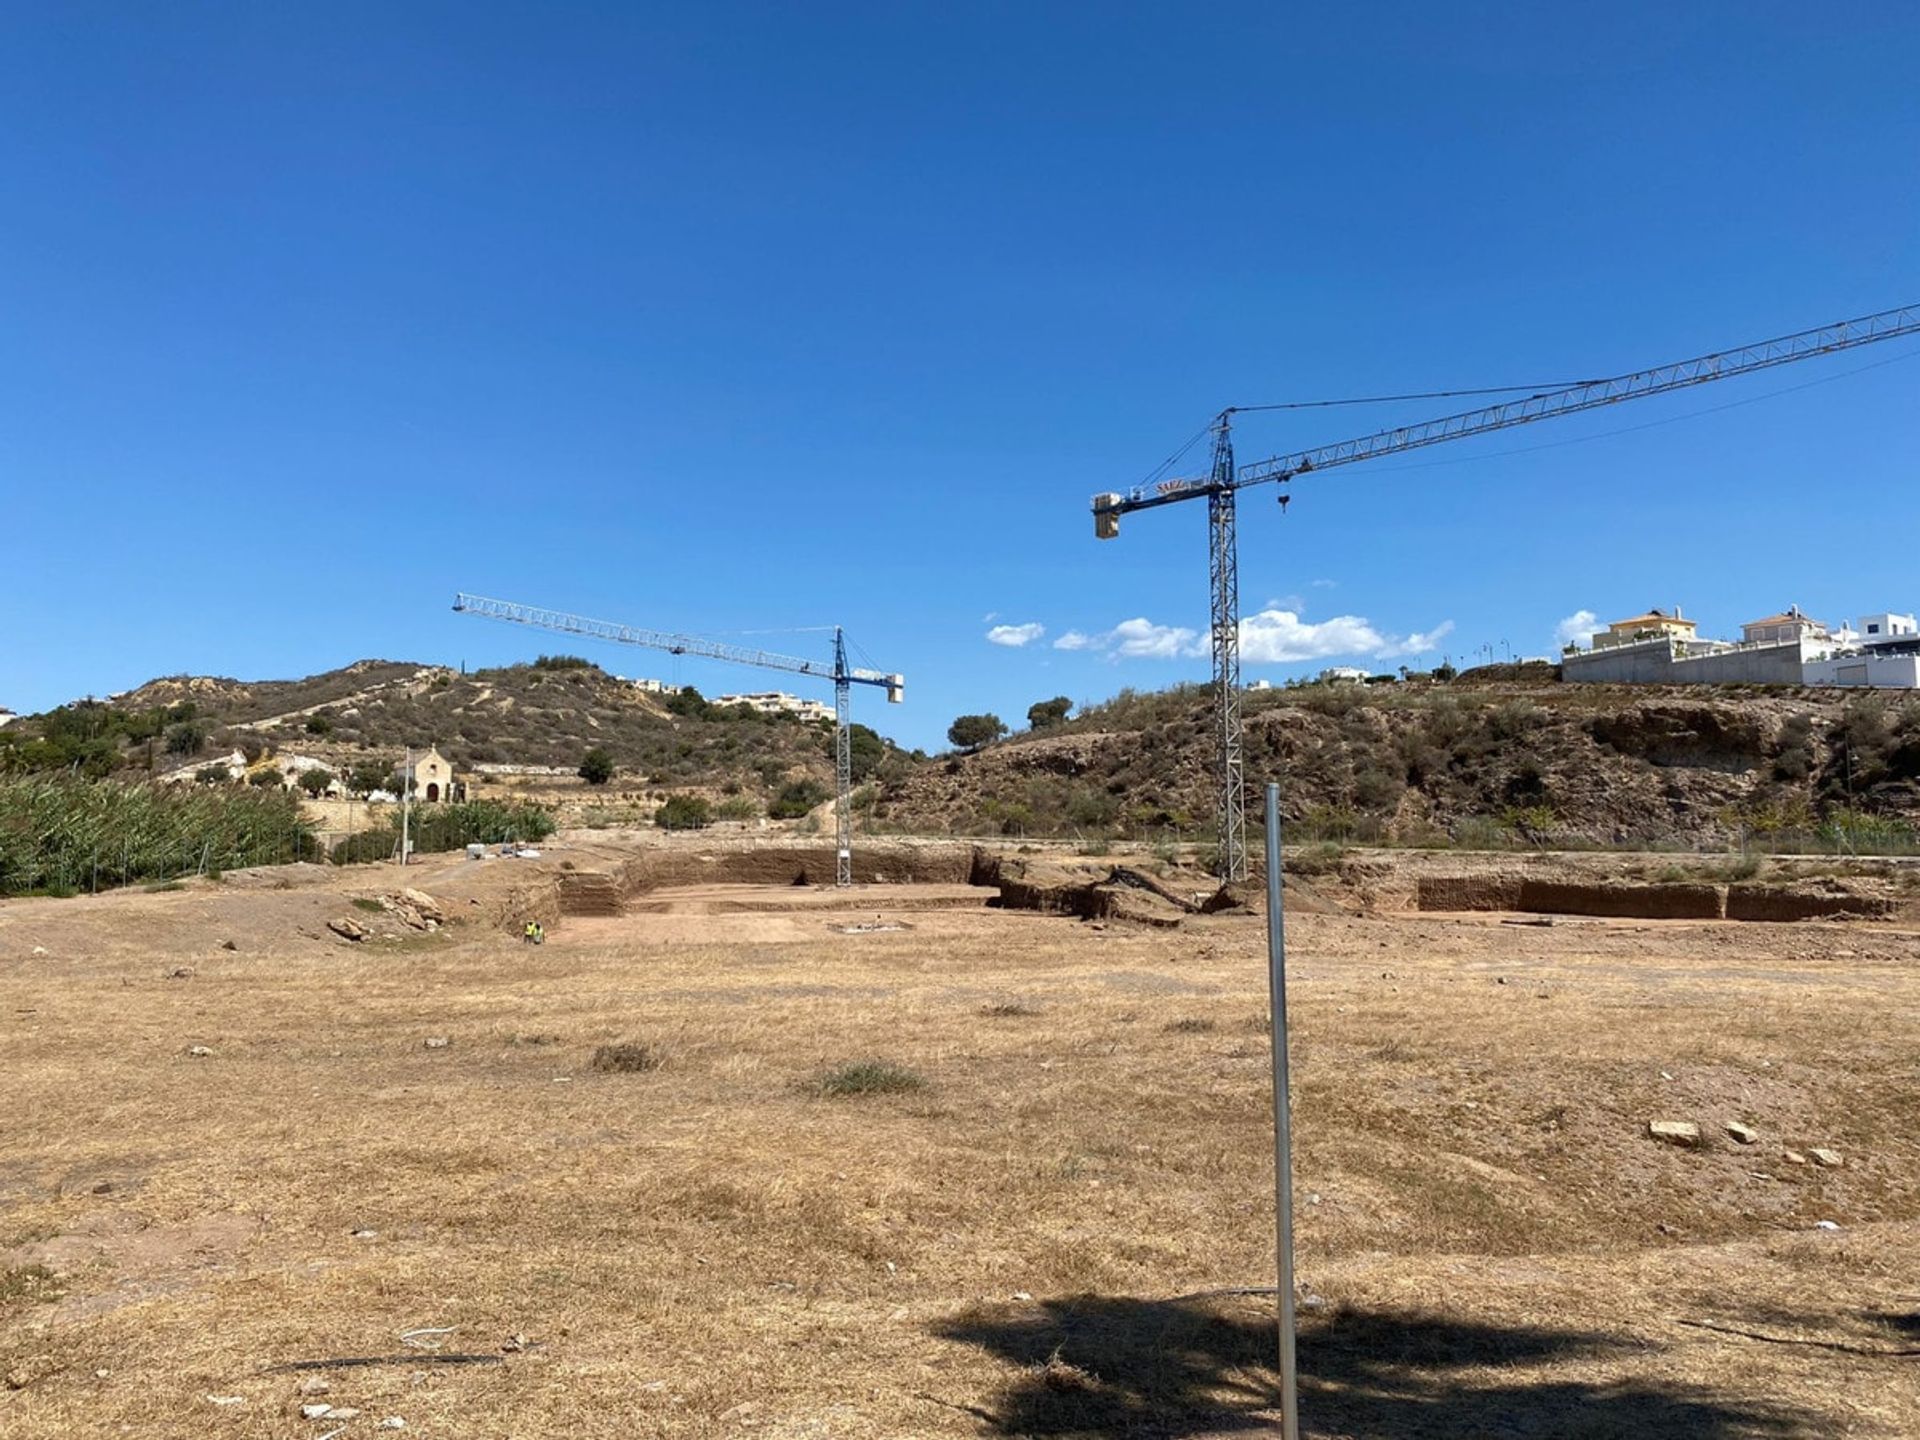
549,713
1501,757
1476,762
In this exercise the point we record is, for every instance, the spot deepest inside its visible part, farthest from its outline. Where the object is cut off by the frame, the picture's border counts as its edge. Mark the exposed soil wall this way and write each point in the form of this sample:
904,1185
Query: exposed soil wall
1468,892
1624,899
1782,903
591,892
801,865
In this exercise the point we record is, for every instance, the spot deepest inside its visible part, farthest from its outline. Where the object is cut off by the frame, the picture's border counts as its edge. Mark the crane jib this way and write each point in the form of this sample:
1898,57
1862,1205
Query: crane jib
1589,395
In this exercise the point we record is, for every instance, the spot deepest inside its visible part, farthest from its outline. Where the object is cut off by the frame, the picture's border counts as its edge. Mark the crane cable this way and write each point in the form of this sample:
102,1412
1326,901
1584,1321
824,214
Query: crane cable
1541,387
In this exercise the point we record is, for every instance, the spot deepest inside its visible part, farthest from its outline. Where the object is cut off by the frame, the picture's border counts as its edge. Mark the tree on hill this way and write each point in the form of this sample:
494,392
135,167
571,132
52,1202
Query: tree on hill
1044,713
370,775
316,780
186,738
866,750
970,732
689,704
596,766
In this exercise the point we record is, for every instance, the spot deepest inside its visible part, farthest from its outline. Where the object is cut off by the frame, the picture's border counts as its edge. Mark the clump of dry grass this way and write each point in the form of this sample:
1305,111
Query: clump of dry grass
28,1285
1063,1376
630,1057
1009,1010
870,1077
1192,1025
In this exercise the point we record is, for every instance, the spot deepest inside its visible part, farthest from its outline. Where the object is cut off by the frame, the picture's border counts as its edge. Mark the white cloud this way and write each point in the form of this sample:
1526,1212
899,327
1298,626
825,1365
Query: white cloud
1274,636
1140,638
1323,584
1279,637
1014,636
1421,642
1577,629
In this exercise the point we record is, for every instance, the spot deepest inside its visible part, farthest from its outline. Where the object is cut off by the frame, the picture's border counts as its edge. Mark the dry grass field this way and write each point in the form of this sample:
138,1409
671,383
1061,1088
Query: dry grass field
905,1171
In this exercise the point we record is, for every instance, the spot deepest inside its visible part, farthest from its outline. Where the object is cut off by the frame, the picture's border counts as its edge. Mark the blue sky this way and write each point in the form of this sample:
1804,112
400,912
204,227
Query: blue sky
739,317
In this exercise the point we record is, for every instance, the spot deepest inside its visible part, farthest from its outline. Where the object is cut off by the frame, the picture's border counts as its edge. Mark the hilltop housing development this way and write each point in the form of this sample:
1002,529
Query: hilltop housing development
1663,647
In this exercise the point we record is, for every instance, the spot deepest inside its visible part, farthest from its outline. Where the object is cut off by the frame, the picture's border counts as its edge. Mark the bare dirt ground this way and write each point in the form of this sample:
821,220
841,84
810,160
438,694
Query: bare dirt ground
492,1236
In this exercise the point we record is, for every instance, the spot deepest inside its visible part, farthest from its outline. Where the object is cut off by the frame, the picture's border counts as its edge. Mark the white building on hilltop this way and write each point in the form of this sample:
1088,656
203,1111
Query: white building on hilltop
778,702
1790,648
7,717
1883,653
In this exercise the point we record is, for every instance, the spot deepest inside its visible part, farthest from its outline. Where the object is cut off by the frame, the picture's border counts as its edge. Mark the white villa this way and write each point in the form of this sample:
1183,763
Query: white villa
777,702
1791,648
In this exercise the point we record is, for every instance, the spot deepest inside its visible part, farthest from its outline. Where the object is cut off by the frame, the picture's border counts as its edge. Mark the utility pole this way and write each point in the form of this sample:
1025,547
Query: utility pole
406,809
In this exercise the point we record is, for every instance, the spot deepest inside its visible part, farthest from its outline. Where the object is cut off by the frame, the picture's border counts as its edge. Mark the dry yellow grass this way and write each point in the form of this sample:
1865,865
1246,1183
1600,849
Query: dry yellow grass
720,1246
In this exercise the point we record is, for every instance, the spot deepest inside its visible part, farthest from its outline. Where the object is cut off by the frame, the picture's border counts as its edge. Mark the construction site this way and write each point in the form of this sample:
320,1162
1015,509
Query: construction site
1585,1147
528,907
810,1132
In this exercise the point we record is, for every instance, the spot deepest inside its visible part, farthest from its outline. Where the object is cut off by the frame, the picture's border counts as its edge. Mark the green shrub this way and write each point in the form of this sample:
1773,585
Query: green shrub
318,724
796,798
684,812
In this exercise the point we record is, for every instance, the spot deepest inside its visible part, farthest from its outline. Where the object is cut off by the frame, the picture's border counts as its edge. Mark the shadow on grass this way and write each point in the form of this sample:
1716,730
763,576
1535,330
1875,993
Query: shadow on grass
1169,1369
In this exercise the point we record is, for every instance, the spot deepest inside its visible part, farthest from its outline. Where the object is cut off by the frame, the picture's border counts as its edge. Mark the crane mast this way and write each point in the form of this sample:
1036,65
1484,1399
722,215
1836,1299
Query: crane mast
844,678
1223,482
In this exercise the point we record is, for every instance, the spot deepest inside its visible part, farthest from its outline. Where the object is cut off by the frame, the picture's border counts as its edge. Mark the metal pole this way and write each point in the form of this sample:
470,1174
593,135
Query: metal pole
1282,1121
406,807
842,765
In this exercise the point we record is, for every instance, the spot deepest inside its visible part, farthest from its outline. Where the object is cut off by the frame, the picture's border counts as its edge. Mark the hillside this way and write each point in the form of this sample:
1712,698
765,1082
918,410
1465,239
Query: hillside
1477,762
545,714
1498,757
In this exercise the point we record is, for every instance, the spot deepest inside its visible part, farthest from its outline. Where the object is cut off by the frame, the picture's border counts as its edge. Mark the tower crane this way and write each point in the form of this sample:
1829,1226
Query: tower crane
844,678
1223,482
